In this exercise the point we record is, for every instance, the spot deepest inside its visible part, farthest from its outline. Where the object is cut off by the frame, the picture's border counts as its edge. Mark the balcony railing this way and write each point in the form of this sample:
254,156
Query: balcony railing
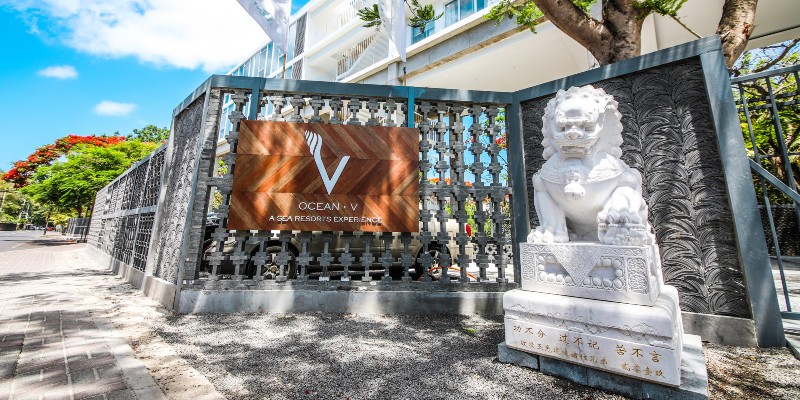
352,55
351,12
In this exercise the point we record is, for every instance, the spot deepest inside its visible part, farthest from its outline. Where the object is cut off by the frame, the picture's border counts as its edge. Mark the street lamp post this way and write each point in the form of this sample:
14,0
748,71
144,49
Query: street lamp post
3,204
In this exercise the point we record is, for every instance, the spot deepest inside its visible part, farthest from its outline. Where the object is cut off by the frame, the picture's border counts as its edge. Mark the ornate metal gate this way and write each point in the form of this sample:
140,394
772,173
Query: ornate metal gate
462,180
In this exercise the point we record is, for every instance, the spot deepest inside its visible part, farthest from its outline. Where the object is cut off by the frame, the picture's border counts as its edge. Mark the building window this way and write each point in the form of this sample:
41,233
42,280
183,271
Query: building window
457,10
419,34
291,42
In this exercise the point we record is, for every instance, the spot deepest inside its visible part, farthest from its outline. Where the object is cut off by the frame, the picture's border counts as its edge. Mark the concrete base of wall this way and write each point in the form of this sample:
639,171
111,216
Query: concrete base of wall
370,298
393,301
720,329
154,288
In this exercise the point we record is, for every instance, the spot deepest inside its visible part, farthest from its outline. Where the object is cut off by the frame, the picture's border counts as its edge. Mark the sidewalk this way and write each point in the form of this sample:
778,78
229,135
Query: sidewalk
70,329
54,341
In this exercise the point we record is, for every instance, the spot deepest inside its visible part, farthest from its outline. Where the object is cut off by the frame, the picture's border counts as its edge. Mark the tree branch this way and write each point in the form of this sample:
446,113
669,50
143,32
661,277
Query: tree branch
779,58
570,19
678,20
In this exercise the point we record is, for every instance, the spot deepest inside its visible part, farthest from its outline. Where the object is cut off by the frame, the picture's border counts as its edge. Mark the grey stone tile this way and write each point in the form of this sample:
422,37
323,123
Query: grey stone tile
573,372
81,377
125,394
508,355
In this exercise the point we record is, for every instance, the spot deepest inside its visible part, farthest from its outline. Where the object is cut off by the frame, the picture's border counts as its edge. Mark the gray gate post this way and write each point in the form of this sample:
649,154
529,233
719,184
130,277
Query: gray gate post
516,168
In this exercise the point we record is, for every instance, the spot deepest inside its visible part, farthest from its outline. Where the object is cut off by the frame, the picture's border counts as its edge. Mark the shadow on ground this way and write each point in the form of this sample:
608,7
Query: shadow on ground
348,356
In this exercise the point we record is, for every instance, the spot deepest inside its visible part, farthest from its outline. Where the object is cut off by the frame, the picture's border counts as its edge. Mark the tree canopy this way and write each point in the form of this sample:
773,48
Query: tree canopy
149,133
65,175
45,155
765,139
72,184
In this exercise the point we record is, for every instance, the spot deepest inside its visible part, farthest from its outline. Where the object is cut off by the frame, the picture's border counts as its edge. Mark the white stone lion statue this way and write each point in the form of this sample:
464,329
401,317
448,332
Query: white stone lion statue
584,191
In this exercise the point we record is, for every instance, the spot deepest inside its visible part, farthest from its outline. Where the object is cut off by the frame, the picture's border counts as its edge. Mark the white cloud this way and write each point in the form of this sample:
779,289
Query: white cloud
210,34
59,72
113,108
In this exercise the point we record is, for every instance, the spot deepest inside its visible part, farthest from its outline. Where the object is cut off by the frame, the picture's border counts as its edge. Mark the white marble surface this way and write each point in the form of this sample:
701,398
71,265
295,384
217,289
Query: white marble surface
657,325
628,274
592,288
584,191
641,361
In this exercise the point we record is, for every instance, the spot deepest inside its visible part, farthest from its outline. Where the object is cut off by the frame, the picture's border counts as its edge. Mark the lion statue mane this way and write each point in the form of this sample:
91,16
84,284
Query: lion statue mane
584,191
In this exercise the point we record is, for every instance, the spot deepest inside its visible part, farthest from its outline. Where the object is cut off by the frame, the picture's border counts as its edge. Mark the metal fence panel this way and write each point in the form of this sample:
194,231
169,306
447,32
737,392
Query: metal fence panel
453,194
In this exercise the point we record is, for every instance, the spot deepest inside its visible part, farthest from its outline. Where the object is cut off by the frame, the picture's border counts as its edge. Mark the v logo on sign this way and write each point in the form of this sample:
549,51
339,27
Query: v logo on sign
314,142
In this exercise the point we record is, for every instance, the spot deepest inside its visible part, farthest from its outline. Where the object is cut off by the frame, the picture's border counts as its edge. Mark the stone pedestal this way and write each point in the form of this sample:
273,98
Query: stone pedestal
644,342
600,306
626,274
694,377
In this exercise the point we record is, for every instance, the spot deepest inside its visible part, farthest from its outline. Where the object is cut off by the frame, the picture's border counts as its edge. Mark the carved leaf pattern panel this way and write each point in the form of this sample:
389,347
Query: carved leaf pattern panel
666,181
178,189
712,213
669,137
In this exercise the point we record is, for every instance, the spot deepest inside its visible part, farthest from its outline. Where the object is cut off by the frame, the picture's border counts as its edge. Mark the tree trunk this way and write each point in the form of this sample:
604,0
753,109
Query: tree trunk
624,23
618,37
735,27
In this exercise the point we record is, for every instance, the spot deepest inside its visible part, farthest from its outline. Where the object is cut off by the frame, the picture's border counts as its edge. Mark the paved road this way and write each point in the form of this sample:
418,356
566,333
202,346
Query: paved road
53,342
21,240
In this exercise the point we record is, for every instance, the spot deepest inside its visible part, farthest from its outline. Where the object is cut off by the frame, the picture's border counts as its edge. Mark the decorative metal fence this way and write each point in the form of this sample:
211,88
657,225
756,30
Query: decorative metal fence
686,138
464,198
77,228
123,213
769,105
464,228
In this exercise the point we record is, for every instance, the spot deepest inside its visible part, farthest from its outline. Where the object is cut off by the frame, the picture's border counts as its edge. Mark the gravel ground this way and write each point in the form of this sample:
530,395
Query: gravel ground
320,356
316,356
751,373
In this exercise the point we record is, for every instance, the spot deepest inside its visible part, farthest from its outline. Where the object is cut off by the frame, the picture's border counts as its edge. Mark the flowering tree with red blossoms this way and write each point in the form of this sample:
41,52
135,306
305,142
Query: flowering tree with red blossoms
46,155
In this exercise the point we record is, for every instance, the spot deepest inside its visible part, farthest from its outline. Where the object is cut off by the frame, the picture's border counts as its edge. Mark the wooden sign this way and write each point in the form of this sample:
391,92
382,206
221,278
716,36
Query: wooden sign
321,177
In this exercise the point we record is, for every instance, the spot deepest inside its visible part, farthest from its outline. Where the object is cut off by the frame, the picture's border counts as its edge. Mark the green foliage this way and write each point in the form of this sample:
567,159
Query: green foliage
422,15
13,202
764,133
470,331
526,13
371,17
71,185
768,146
217,198
149,133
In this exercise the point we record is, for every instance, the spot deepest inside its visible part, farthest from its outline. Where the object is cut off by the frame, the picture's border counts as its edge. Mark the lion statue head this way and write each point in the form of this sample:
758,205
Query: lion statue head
581,122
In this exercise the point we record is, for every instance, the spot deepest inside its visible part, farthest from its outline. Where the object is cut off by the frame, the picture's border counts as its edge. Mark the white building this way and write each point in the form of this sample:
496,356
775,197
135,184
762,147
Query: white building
464,50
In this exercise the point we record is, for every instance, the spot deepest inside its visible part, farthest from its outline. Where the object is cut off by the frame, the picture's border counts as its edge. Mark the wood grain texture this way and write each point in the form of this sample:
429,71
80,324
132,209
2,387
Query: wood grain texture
276,178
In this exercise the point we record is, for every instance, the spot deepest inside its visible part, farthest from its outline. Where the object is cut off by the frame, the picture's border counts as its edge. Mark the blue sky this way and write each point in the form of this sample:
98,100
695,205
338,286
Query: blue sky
97,67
